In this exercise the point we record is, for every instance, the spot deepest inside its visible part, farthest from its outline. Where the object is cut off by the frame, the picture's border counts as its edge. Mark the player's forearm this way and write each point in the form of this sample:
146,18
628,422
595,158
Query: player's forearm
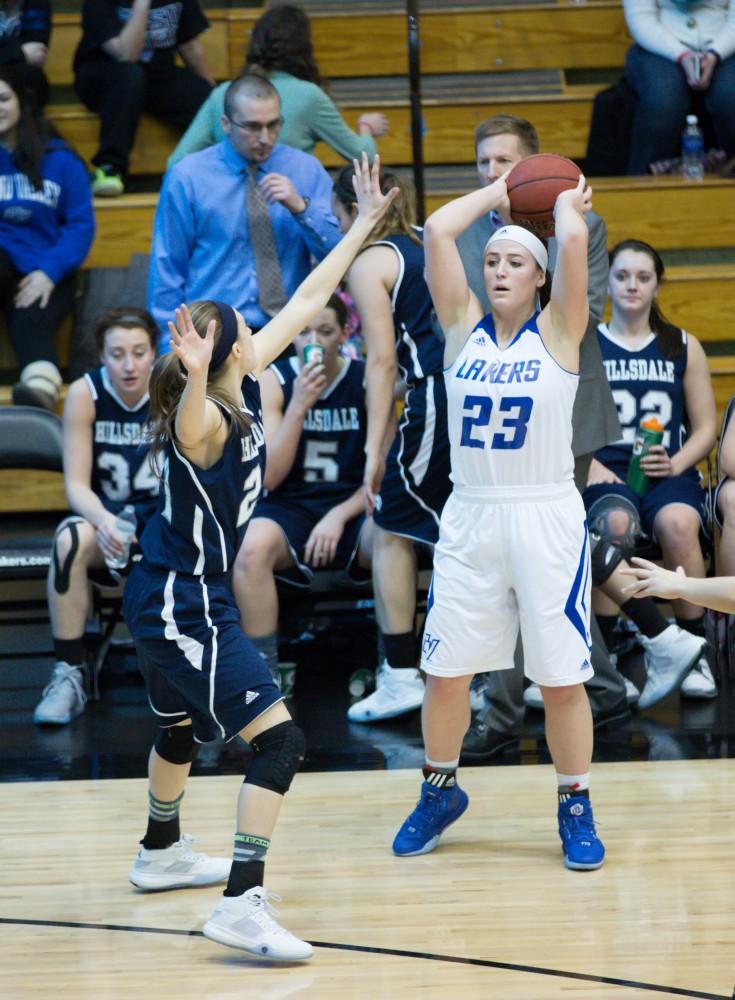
697,447
85,502
281,449
716,592
127,46
381,376
193,55
352,507
190,421
451,220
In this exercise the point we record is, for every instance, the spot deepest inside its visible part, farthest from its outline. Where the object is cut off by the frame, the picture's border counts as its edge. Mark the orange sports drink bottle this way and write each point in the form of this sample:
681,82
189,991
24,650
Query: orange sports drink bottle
650,432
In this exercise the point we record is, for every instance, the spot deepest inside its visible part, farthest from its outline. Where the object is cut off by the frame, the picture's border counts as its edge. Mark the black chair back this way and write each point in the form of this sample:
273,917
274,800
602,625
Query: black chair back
30,438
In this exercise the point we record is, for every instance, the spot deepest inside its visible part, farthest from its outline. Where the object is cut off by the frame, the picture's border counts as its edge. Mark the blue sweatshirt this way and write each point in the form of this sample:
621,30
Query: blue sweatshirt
50,230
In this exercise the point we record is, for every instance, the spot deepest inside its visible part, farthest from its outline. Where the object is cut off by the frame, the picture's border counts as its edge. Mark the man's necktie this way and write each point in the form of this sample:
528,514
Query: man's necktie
271,292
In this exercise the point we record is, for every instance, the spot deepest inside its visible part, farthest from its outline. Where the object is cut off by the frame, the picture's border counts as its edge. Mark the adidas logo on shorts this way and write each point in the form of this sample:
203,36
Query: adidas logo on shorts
250,697
479,340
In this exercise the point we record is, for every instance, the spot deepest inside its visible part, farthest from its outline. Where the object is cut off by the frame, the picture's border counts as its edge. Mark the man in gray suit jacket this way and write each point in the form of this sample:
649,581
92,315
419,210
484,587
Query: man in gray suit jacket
500,143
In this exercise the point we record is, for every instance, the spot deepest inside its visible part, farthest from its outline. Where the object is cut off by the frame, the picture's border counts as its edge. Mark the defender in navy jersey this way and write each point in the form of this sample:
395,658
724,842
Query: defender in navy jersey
105,467
406,491
204,678
513,549
655,369
313,515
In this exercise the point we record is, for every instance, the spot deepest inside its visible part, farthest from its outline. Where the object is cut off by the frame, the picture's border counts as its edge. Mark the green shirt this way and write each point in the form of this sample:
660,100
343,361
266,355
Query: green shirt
309,116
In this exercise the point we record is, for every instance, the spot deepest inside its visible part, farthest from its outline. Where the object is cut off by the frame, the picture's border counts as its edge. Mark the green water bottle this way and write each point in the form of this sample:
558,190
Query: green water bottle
649,433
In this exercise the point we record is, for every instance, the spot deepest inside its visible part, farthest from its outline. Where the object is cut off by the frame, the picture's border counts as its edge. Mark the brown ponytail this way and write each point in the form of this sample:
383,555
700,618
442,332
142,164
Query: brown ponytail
168,379
668,336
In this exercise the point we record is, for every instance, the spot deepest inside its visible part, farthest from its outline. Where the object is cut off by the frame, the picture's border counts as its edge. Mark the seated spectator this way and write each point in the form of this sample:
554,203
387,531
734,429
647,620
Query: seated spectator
105,467
240,221
654,369
25,31
125,64
725,501
681,46
46,230
313,514
281,48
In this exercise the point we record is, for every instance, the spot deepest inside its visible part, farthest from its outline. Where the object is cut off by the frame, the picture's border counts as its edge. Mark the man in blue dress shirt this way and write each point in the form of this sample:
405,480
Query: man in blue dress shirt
202,246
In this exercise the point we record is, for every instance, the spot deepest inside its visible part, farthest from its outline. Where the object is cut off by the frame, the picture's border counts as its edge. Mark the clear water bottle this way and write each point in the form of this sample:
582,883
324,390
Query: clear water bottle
125,525
692,150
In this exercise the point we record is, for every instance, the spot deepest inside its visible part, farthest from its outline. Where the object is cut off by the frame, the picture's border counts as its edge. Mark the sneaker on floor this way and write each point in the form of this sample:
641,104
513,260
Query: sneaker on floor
699,682
434,811
532,697
482,742
397,692
177,867
247,922
107,182
668,658
63,697
583,849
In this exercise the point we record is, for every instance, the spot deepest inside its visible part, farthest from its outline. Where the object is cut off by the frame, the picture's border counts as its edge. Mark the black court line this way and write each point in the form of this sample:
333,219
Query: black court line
399,953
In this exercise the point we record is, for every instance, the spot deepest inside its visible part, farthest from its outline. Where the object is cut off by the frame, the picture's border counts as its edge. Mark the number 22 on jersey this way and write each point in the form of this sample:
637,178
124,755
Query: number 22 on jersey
512,427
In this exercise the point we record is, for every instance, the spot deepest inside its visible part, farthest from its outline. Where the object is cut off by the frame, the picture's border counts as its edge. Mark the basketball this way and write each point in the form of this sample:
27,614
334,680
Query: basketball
533,187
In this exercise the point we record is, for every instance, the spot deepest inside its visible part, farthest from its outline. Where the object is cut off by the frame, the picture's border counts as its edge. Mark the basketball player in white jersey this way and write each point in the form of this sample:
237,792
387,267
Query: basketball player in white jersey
513,546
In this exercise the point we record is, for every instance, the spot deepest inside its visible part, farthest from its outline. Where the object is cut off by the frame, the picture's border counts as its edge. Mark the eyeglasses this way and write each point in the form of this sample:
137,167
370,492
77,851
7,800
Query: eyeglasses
255,128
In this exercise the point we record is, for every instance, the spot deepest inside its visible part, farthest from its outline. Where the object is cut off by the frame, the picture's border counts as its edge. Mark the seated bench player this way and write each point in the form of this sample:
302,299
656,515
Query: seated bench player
105,467
313,514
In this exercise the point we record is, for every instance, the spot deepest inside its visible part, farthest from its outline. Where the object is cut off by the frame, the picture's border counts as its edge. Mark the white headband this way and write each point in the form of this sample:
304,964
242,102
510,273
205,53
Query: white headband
526,238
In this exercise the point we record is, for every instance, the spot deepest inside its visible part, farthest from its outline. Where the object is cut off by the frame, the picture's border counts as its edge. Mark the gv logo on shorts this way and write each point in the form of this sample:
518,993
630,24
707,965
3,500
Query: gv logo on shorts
429,645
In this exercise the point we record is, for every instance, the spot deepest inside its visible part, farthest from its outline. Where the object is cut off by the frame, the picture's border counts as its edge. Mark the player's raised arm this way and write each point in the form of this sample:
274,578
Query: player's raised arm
568,307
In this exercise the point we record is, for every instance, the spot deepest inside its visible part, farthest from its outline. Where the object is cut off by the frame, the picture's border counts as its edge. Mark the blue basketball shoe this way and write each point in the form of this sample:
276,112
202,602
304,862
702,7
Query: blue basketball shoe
583,849
434,811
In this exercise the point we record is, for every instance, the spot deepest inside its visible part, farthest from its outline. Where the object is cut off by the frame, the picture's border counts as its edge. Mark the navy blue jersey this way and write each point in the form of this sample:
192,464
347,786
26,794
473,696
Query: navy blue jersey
203,513
330,458
121,471
418,350
645,383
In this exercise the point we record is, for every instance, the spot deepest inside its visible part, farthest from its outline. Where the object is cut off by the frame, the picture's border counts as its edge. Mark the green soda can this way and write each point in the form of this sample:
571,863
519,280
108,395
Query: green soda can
313,352
649,433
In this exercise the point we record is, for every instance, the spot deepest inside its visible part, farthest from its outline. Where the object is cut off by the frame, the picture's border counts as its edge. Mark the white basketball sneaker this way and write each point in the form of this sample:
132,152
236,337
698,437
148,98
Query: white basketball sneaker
63,697
532,697
668,658
397,692
699,682
246,922
177,867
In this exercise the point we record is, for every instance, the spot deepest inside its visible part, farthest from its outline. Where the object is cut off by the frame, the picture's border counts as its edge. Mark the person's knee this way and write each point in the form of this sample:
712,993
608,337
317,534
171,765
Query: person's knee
278,753
447,687
176,744
260,549
73,546
726,504
559,697
677,527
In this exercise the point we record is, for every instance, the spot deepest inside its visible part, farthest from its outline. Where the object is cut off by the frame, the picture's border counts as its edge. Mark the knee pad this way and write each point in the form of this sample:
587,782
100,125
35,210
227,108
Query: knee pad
176,744
278,753
62,573
605,558
598,519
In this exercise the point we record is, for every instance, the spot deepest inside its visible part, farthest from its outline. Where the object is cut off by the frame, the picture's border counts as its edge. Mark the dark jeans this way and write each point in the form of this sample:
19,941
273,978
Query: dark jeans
120,91
32,330
664,99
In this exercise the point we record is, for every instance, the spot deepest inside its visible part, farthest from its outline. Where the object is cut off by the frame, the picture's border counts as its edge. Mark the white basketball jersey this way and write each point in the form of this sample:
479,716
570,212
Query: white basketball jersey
509,411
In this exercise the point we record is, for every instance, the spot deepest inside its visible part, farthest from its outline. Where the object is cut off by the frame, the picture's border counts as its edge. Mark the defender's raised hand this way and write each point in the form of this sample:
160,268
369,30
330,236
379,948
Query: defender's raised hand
194,352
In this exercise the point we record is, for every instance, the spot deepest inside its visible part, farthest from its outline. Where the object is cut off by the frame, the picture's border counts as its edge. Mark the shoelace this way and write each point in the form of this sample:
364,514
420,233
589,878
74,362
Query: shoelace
266,913
184,843
429,804
584,824
66,673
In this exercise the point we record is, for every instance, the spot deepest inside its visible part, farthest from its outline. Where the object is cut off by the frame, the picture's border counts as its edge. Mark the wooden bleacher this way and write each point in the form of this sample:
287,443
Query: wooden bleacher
476,60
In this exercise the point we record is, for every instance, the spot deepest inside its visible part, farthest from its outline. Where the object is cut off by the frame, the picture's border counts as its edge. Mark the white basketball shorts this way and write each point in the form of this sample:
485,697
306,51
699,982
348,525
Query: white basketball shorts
507,559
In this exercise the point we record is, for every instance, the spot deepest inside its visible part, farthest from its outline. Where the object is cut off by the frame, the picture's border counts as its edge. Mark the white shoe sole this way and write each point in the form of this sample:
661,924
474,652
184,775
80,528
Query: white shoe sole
230,938
575,866
152,882
700,694
644,703
396,709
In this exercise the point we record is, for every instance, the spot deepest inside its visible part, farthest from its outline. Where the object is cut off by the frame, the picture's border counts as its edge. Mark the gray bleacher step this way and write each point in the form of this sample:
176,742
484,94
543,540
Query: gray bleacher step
449,87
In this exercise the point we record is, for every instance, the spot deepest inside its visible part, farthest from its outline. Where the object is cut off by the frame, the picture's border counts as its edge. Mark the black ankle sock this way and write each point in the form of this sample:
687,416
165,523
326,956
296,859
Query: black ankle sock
70,651
161,835
163,823
440,777
693,625
607,629
248,863
400,650
645,614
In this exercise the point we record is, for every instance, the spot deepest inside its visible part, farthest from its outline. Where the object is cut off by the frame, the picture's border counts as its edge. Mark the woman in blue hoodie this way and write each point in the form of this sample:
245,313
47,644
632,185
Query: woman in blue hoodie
46,230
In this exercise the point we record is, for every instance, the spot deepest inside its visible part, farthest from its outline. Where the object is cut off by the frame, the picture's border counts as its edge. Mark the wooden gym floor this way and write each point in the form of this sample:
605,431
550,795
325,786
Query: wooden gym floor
492,913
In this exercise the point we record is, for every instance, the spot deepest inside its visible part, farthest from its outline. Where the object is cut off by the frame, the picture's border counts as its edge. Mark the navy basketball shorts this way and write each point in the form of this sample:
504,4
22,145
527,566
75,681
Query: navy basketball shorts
684,489
297,518
417,484
717,513
510,558
196,661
